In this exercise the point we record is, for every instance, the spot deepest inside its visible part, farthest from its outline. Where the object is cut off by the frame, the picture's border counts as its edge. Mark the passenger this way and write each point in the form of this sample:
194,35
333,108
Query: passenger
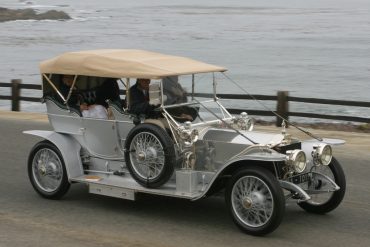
92,111
175,94
67,82
108,90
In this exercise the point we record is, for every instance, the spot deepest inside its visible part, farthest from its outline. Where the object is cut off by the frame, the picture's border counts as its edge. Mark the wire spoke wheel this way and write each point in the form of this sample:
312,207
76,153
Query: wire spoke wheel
325,202
255,200
147,155
252,201
322,198
47,171
150,155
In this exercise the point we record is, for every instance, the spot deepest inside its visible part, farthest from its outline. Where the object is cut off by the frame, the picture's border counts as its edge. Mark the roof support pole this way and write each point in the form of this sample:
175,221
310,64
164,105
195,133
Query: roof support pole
214,87
71,89
128,93
192,86
54,87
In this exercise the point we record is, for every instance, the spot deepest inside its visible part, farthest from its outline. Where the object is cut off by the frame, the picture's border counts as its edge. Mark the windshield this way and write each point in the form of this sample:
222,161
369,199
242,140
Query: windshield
173,92
181,106
198,113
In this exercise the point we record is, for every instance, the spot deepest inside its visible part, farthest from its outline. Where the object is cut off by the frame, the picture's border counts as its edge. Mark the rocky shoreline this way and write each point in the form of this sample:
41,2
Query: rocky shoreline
31,14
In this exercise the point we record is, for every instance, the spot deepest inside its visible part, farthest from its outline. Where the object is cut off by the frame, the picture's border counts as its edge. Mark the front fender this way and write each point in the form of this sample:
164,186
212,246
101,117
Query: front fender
308,146
265,155
256,153
68,147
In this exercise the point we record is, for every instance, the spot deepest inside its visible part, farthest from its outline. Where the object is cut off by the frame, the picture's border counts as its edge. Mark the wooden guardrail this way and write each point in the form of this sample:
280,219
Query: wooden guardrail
16,85
282,107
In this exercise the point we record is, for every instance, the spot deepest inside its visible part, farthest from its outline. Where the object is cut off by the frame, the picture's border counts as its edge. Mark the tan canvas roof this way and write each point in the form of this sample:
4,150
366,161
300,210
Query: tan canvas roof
124,64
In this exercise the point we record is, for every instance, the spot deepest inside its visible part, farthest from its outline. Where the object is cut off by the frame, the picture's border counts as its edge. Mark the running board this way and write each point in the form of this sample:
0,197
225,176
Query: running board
112,191
126,187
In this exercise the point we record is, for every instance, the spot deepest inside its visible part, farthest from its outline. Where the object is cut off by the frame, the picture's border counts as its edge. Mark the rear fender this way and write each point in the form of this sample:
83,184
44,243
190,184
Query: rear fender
68,147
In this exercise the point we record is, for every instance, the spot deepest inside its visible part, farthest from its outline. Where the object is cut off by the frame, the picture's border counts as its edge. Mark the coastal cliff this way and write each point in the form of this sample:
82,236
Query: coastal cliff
30,14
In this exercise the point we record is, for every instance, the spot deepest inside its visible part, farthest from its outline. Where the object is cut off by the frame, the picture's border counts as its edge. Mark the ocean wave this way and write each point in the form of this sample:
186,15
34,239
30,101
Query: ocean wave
34,20
244,10
90,18
84,11
41,6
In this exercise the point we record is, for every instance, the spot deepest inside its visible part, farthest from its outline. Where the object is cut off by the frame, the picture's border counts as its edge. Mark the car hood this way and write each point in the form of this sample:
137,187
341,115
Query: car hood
231,136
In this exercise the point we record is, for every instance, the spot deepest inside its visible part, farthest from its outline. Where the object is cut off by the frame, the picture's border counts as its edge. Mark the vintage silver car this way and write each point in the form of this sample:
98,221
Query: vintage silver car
170,155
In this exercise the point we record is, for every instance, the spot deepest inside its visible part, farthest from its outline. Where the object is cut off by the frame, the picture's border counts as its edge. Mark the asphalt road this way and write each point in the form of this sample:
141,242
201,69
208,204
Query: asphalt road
83,219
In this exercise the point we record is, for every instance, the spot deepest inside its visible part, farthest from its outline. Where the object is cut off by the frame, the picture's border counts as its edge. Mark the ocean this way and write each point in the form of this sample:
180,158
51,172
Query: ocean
316,48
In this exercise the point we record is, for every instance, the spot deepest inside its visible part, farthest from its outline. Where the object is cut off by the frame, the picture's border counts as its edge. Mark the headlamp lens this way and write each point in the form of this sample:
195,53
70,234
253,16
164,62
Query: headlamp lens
324,154
297,160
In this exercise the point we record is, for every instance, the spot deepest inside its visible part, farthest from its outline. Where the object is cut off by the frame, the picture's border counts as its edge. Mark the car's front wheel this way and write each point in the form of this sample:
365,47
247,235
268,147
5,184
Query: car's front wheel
47,171
325,202
255,200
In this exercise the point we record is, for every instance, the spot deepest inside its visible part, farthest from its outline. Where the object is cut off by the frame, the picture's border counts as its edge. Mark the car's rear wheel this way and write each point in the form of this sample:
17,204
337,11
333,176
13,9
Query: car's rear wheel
150,155
47,171
325,202
255,200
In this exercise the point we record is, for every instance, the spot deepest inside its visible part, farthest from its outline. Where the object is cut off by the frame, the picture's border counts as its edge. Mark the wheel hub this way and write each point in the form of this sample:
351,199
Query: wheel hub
148,153
254,198
141,156
247,203
41,168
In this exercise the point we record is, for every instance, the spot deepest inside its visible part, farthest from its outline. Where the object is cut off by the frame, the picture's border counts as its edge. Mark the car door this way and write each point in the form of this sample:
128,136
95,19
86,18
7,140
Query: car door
101,138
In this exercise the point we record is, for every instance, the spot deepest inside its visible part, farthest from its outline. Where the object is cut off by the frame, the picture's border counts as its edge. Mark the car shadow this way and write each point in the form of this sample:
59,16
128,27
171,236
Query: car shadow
211,213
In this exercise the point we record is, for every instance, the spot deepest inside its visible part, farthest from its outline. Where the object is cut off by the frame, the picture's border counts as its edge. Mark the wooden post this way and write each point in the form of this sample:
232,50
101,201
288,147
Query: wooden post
282,107
16,93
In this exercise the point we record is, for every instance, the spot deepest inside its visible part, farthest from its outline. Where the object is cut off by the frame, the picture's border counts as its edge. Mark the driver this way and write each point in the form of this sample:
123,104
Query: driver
139,103
139,99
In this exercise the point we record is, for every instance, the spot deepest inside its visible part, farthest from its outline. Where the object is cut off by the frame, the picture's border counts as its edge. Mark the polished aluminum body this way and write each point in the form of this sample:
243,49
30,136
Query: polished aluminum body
99,145
191,150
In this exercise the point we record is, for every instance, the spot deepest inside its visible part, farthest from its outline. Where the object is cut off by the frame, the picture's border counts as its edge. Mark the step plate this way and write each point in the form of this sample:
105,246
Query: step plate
112,191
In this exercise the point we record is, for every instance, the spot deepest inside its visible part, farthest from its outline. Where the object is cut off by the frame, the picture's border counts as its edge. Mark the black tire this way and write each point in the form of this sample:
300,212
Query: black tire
335,198
49,168
160,150
267,194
